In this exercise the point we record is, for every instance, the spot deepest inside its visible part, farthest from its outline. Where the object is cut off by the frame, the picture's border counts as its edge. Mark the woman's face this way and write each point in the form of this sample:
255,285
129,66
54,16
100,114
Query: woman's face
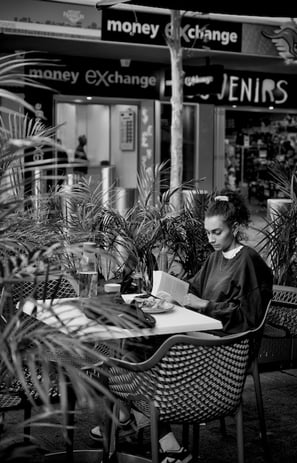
219,234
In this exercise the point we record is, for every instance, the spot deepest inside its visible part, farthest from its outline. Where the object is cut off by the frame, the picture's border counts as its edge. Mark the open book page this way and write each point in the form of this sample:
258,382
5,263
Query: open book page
177,288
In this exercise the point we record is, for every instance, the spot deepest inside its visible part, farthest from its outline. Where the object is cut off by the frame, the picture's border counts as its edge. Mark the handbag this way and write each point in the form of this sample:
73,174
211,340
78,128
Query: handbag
110,309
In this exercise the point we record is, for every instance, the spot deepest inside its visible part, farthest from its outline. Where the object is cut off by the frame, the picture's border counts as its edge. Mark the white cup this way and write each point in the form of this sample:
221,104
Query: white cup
112,288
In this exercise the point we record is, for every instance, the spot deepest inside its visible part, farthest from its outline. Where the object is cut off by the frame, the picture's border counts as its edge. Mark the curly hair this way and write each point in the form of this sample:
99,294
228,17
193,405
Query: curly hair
231,206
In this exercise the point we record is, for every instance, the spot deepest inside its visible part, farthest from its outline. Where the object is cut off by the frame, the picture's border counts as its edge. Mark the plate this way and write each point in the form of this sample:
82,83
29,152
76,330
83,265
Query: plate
159,309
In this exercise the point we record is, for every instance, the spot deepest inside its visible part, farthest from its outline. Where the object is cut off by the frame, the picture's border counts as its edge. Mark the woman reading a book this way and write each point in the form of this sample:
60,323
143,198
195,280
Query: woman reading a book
234,284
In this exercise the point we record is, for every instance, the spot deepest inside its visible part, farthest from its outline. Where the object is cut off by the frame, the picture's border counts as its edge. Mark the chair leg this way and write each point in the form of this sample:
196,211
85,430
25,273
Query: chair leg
260,407
70,419
223,427
140,436
196,439
185,435
239,434
154,434
2,419
110,428
27,416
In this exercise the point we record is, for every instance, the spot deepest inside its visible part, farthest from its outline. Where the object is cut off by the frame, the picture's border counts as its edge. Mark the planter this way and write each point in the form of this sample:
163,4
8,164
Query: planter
124,199
276,206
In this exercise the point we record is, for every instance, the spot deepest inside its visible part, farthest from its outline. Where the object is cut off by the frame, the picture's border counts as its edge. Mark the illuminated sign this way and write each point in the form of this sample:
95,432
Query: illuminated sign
209,84
99,77
284,39
254,89
43,19
204,80
153,29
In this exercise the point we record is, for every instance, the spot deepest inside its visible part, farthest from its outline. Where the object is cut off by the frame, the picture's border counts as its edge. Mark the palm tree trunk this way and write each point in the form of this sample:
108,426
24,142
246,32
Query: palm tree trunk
177,77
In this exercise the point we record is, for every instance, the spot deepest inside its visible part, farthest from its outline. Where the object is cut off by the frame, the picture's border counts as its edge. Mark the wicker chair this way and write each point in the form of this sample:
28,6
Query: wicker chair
55,286
188,380
13,398
253,370
279,346
11,401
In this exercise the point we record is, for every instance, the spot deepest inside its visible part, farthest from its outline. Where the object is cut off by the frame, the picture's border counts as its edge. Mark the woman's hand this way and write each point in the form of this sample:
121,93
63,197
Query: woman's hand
195,302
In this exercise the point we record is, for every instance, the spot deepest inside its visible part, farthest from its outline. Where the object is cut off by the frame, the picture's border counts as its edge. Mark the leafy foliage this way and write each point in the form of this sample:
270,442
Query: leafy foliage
32,244
153,225
46,239
280,232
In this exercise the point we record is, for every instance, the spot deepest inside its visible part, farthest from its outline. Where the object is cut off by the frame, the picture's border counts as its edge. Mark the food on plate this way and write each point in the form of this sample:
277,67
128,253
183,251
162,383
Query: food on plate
154,304
163,295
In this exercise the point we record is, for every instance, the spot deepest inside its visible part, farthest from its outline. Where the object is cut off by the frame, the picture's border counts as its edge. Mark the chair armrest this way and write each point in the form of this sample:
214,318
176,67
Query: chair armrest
172,340
271,331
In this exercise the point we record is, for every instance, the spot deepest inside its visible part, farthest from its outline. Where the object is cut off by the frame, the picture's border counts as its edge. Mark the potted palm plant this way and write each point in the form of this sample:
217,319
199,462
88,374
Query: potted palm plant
156,236
32,243
29,246
279,234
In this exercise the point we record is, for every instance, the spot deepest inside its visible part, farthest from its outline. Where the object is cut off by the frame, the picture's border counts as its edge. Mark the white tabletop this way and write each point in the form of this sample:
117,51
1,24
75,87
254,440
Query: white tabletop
71,319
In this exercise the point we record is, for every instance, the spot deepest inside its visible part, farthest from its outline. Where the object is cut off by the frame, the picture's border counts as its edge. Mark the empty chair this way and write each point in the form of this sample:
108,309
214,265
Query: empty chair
279,340
43,288
14,396
11,401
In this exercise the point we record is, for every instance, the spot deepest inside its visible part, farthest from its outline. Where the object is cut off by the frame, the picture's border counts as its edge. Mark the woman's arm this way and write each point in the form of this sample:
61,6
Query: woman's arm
195,302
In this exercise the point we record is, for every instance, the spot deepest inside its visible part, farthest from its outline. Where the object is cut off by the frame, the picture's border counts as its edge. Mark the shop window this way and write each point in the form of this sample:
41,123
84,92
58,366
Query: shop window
253,142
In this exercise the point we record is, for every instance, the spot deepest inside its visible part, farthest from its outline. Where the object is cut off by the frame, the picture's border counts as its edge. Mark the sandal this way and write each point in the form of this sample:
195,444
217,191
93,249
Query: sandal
176,456
96,434
126,429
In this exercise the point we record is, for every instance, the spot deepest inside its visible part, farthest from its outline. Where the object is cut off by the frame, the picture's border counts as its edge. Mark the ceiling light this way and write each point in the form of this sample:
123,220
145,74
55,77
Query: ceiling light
125,63
106,3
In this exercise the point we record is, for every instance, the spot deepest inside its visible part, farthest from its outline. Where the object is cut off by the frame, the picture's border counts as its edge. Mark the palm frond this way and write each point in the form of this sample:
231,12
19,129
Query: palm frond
12,74
30,247
286,182
279,233
279,244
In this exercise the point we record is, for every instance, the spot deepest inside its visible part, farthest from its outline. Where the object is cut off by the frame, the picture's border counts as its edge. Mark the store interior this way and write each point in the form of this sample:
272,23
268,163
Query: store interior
254,140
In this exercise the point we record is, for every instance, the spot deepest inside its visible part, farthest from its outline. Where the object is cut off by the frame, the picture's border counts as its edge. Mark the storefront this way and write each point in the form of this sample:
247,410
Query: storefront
122,105
117,108
257,124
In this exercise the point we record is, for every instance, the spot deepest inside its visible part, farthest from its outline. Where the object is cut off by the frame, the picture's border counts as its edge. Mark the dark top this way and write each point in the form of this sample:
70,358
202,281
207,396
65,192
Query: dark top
238,289
81,157
62,160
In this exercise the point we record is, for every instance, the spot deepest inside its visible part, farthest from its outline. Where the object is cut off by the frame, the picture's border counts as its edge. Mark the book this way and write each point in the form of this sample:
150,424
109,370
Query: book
170,284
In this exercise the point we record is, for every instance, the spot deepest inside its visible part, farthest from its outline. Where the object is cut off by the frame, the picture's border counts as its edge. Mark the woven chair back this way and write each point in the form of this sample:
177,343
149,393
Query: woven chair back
190,380
41,289
283,311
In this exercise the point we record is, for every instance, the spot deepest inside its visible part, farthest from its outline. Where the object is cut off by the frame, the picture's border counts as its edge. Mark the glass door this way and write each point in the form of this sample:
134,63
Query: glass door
111,131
